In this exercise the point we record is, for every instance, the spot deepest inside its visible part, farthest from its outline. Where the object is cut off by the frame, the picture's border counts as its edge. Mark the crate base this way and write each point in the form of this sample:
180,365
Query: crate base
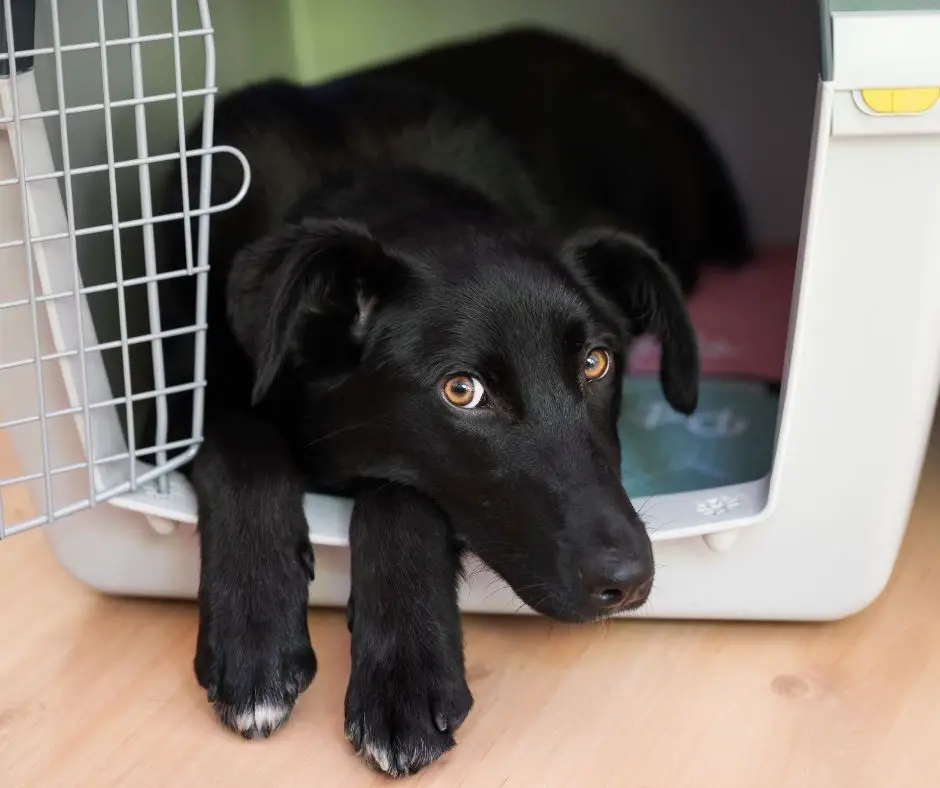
116,552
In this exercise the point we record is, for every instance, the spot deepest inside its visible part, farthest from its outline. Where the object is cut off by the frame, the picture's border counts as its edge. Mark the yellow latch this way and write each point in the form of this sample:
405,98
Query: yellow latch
900,101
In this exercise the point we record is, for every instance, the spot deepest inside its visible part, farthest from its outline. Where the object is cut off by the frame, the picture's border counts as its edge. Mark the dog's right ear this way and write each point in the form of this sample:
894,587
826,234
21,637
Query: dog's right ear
331,271
631,275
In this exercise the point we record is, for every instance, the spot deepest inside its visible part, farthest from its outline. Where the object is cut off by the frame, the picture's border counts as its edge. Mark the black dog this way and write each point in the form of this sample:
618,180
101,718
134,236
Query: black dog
394,317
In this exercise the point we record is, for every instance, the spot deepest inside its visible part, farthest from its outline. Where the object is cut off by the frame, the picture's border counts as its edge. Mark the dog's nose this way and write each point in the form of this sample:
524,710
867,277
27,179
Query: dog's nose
615,582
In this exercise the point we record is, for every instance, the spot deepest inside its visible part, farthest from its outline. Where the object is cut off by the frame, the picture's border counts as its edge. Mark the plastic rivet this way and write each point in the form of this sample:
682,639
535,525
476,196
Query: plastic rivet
721,541
162,525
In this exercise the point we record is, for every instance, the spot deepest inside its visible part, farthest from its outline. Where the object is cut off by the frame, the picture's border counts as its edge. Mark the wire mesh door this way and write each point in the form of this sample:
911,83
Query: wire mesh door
95,98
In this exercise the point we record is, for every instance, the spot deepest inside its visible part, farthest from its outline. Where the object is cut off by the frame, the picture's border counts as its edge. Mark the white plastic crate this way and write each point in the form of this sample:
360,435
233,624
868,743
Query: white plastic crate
816,538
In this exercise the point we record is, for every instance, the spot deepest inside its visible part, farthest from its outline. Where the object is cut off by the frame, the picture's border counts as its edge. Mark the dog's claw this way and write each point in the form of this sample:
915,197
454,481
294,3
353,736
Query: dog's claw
253,682
354,734
256,721
401,726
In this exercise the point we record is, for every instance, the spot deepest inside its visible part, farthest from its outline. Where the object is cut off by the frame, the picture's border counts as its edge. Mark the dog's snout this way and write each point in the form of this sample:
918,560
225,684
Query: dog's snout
615,581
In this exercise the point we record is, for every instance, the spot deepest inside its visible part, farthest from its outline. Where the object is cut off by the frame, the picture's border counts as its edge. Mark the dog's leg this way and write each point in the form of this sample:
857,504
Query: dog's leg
407,691
253,651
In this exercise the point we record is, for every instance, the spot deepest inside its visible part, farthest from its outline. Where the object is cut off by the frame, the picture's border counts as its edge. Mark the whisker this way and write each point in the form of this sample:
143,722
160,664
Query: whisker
339,431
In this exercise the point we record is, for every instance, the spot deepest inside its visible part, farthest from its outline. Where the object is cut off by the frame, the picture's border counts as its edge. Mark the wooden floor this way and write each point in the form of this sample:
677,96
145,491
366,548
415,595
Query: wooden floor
99,692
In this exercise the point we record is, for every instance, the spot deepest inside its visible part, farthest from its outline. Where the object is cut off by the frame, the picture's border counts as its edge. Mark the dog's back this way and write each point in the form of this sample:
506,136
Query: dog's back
294,136
549,128
603,143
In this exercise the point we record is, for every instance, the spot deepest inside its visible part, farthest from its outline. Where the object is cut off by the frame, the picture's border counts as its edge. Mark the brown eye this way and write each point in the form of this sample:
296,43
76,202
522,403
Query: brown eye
462,391
596,364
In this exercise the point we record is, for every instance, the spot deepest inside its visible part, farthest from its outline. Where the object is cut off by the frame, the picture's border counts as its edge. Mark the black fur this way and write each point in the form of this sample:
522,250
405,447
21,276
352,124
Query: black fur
407,692
394,235
253,652
604,145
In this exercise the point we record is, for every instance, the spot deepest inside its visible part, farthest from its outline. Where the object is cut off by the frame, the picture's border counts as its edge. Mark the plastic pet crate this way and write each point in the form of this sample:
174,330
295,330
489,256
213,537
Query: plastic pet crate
784,497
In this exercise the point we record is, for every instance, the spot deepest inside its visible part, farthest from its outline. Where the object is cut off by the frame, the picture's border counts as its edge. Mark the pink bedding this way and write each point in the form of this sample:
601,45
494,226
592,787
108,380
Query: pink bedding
742,319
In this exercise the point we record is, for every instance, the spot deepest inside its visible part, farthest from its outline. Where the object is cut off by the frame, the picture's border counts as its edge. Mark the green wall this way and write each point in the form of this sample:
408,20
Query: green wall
253,40
333,36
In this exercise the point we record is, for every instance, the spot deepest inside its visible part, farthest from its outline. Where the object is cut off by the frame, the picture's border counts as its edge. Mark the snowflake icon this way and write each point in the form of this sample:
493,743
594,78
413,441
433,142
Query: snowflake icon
719,505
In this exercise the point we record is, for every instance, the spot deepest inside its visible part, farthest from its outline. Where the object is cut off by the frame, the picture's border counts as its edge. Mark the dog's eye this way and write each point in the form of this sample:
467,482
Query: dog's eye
597,364
463,391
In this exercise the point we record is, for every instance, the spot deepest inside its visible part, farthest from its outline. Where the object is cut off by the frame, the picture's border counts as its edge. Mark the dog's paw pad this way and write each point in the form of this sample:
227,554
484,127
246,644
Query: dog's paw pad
258,720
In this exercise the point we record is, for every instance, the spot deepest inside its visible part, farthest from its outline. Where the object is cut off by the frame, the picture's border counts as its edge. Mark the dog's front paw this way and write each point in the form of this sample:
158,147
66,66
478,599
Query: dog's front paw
253,673
401,712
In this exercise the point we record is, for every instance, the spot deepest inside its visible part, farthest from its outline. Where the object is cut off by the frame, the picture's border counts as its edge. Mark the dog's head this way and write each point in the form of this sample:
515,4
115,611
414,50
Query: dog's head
485,370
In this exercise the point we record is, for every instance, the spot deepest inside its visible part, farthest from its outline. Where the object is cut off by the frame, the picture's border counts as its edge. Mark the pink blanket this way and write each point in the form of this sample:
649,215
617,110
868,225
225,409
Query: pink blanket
742,319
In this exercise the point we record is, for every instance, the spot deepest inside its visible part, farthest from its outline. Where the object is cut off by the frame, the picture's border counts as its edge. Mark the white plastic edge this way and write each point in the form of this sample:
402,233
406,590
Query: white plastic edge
886,49
668,517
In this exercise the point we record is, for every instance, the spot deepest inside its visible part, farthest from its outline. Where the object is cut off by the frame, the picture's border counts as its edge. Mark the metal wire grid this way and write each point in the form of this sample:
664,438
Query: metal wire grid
116,466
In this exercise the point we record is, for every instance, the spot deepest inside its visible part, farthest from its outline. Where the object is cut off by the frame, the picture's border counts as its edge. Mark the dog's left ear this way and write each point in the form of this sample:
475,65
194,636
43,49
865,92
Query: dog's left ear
635,280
